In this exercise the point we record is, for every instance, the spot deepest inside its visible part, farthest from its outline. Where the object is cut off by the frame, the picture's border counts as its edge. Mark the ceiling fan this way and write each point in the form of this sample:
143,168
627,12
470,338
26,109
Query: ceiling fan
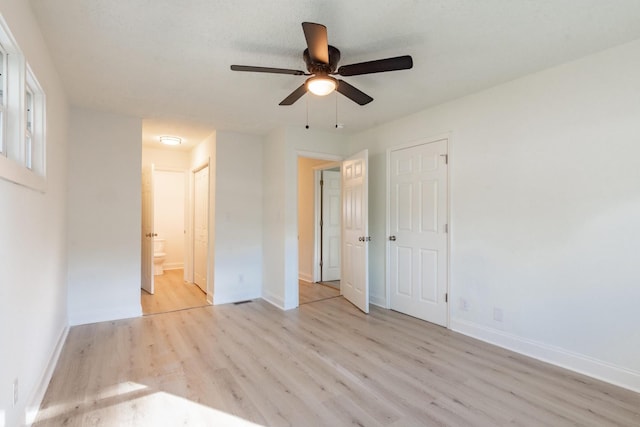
322,61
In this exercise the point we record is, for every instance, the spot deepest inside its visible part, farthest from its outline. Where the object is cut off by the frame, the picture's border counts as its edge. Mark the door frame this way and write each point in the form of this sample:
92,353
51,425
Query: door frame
146,258
317,215
310,155
415,143
192,237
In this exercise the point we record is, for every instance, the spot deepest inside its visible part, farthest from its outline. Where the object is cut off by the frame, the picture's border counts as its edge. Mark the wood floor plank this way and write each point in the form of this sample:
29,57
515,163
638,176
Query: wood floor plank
325,363
311,292
172,293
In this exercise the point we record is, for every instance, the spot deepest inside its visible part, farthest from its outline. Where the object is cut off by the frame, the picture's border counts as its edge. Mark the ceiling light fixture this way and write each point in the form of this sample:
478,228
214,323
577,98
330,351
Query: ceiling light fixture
171,140
321,85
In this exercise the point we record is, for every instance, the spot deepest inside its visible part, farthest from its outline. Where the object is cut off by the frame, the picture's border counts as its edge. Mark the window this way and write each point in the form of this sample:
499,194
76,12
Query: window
34,135
28,138
22,117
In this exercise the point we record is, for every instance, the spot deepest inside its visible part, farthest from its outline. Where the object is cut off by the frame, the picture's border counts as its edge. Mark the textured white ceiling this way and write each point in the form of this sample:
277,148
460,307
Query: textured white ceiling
167,61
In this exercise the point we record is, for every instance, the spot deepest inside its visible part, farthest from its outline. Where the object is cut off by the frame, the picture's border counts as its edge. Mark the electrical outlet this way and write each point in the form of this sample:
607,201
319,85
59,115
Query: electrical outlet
497,314
15,392
464,304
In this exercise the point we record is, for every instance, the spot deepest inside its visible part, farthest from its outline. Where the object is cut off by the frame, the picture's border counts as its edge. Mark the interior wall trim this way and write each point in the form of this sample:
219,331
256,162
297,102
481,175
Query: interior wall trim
273,300
104,315
35,400
576,362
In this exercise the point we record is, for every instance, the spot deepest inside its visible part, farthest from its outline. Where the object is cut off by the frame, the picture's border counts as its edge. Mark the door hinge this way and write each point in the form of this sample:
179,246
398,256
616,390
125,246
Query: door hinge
446,158
321,182
446,297
446,228
320,264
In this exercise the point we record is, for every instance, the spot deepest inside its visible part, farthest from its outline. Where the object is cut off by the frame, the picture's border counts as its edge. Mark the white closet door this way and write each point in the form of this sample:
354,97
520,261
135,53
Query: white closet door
418,226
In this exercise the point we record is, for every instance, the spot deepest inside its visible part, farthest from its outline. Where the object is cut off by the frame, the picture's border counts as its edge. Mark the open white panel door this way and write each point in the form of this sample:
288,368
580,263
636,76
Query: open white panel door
355,231
201,227
147,229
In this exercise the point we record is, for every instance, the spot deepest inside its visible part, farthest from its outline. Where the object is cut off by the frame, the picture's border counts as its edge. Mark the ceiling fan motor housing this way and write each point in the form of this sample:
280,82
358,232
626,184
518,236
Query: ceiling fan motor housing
319,67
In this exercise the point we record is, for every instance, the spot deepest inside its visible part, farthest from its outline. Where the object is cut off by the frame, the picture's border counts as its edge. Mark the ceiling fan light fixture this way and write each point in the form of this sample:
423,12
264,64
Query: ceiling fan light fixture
170,140
322,61
321,85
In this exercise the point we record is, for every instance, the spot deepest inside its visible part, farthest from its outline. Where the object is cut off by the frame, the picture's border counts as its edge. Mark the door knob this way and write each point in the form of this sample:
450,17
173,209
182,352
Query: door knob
392,238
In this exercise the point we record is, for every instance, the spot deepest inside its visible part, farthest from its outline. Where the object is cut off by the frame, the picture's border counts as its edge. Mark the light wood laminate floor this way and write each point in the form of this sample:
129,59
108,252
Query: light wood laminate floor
311,292
172,293
332,283
323,364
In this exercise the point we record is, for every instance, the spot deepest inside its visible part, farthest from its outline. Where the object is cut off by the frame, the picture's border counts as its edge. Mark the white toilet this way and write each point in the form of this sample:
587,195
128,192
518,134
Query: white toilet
158,256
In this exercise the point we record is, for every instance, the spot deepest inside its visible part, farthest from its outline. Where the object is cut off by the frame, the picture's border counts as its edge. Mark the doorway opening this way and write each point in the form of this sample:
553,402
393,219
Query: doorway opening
319,229
165,241
354,207
354,256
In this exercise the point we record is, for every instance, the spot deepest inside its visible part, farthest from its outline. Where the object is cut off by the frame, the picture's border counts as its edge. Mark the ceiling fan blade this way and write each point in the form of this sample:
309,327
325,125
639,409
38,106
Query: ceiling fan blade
267,70
295,95
354,94
379,66
317,42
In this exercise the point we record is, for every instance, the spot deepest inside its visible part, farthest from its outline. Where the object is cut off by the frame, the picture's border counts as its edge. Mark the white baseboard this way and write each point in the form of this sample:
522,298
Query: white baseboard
33,404
105,315
173,266
379,301
305,277
273,300
576,362
231,298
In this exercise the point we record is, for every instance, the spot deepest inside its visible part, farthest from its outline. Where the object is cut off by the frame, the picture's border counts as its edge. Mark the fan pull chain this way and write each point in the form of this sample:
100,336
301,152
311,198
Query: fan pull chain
307,100
336,109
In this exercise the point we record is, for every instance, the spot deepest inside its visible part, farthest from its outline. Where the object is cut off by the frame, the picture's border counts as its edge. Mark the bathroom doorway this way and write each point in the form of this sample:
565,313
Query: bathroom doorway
169,220
167,212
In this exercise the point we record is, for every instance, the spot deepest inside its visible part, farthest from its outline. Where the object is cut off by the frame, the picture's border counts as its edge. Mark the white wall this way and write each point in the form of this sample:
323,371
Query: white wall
306,216
104,216
33,263
282,149
166,159
238,217
168,211
273,177
545,201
